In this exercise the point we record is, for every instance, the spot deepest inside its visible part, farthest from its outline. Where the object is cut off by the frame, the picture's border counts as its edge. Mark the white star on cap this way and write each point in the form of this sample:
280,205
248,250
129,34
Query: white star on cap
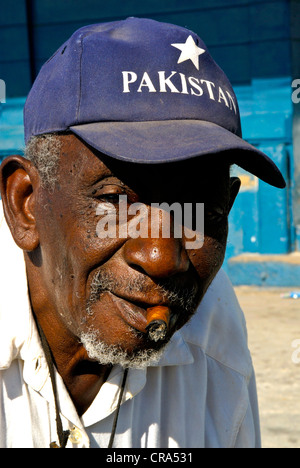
189,51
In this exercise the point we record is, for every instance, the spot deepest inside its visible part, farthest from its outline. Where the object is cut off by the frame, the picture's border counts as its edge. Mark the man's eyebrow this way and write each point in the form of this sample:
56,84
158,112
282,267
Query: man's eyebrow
101,176
107,179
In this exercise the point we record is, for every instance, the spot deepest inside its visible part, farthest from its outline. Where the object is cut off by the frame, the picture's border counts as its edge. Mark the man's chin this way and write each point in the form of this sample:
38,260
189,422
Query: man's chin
107,354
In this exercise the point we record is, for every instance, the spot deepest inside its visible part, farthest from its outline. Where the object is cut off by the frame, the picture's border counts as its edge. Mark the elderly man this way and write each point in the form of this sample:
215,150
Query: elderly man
130,113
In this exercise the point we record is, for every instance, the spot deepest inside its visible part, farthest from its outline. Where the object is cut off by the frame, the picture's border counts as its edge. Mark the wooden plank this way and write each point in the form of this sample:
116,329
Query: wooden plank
16,76
14,44
14,53
271,59
74,10
269,21
12,13
273,207
235,60
229,44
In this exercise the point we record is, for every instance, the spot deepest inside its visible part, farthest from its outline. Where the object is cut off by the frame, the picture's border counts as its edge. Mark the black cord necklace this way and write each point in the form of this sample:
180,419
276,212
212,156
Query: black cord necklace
112,435
63,436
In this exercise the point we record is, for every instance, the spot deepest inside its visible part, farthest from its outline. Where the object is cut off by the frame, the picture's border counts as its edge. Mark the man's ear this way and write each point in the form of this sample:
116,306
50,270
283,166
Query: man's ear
18,181
235,184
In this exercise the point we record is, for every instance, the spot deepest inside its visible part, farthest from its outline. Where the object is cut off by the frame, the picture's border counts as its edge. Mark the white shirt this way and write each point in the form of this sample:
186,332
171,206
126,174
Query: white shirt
202,393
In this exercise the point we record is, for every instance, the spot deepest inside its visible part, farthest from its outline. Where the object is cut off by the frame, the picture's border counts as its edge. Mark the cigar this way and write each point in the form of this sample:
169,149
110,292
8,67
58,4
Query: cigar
157,322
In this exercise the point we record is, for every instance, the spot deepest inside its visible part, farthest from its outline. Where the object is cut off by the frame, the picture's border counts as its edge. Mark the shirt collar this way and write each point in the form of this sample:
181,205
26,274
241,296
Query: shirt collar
176,353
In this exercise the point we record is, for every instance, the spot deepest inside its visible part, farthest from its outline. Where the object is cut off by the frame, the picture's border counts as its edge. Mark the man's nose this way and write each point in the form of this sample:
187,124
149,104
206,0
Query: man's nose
158,258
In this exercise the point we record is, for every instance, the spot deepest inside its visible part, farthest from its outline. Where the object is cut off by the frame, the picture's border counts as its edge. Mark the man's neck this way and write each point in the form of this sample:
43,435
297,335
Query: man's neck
83,378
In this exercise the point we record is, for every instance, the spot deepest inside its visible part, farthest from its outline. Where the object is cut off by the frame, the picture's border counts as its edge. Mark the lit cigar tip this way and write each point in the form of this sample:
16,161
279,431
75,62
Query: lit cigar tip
157,322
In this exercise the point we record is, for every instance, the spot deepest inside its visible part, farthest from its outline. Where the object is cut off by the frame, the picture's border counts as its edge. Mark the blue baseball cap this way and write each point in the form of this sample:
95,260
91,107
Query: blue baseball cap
142,91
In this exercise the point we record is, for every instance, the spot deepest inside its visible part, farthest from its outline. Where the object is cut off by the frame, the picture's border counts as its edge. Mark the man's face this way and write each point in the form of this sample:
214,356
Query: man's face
100,288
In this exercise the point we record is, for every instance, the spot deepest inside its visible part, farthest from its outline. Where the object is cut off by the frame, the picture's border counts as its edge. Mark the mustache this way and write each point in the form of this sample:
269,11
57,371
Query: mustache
172,292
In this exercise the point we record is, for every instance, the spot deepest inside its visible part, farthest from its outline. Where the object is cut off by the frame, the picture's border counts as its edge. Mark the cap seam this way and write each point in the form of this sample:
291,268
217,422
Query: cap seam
80,77
88,33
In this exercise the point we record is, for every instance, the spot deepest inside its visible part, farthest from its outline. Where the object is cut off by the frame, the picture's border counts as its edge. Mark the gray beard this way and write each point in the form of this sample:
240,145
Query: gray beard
112,354
105,354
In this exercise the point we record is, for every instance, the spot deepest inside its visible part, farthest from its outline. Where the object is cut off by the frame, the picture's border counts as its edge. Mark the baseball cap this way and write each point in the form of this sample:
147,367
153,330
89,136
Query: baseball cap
142,91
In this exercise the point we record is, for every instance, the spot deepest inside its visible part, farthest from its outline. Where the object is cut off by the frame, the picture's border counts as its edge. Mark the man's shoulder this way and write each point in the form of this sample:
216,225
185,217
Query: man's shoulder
219,327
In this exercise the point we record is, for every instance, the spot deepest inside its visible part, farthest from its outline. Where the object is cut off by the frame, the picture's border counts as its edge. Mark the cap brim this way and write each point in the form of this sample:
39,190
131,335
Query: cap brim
176,140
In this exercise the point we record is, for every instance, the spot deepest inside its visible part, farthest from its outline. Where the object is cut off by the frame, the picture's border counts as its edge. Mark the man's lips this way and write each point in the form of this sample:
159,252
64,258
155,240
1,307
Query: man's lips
132,314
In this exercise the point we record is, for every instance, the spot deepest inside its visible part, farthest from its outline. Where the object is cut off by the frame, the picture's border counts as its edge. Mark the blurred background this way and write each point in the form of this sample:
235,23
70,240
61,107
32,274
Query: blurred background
257,43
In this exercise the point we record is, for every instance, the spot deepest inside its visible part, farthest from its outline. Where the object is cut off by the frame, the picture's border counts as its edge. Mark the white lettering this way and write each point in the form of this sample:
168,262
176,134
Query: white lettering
127,81
209,85
183,84
161,220
123,217
146,82
106,226
123,458
189,232
222,97
2,91
192,81
231,101
189,85
165,221
296,354
138,225
296,93
163,82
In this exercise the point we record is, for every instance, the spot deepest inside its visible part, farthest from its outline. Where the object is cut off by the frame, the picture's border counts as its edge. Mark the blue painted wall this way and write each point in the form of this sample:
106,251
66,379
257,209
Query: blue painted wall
248,38
255,41
262,244
261,220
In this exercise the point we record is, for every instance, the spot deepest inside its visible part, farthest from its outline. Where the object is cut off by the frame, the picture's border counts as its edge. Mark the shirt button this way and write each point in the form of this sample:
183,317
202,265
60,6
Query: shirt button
75,436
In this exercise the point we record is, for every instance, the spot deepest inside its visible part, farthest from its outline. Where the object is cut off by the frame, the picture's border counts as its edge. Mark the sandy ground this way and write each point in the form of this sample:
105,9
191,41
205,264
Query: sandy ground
274,341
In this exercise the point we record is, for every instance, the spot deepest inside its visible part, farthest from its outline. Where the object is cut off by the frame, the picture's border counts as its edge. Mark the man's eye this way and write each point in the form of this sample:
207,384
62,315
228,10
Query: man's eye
113,198
215,214
108,193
